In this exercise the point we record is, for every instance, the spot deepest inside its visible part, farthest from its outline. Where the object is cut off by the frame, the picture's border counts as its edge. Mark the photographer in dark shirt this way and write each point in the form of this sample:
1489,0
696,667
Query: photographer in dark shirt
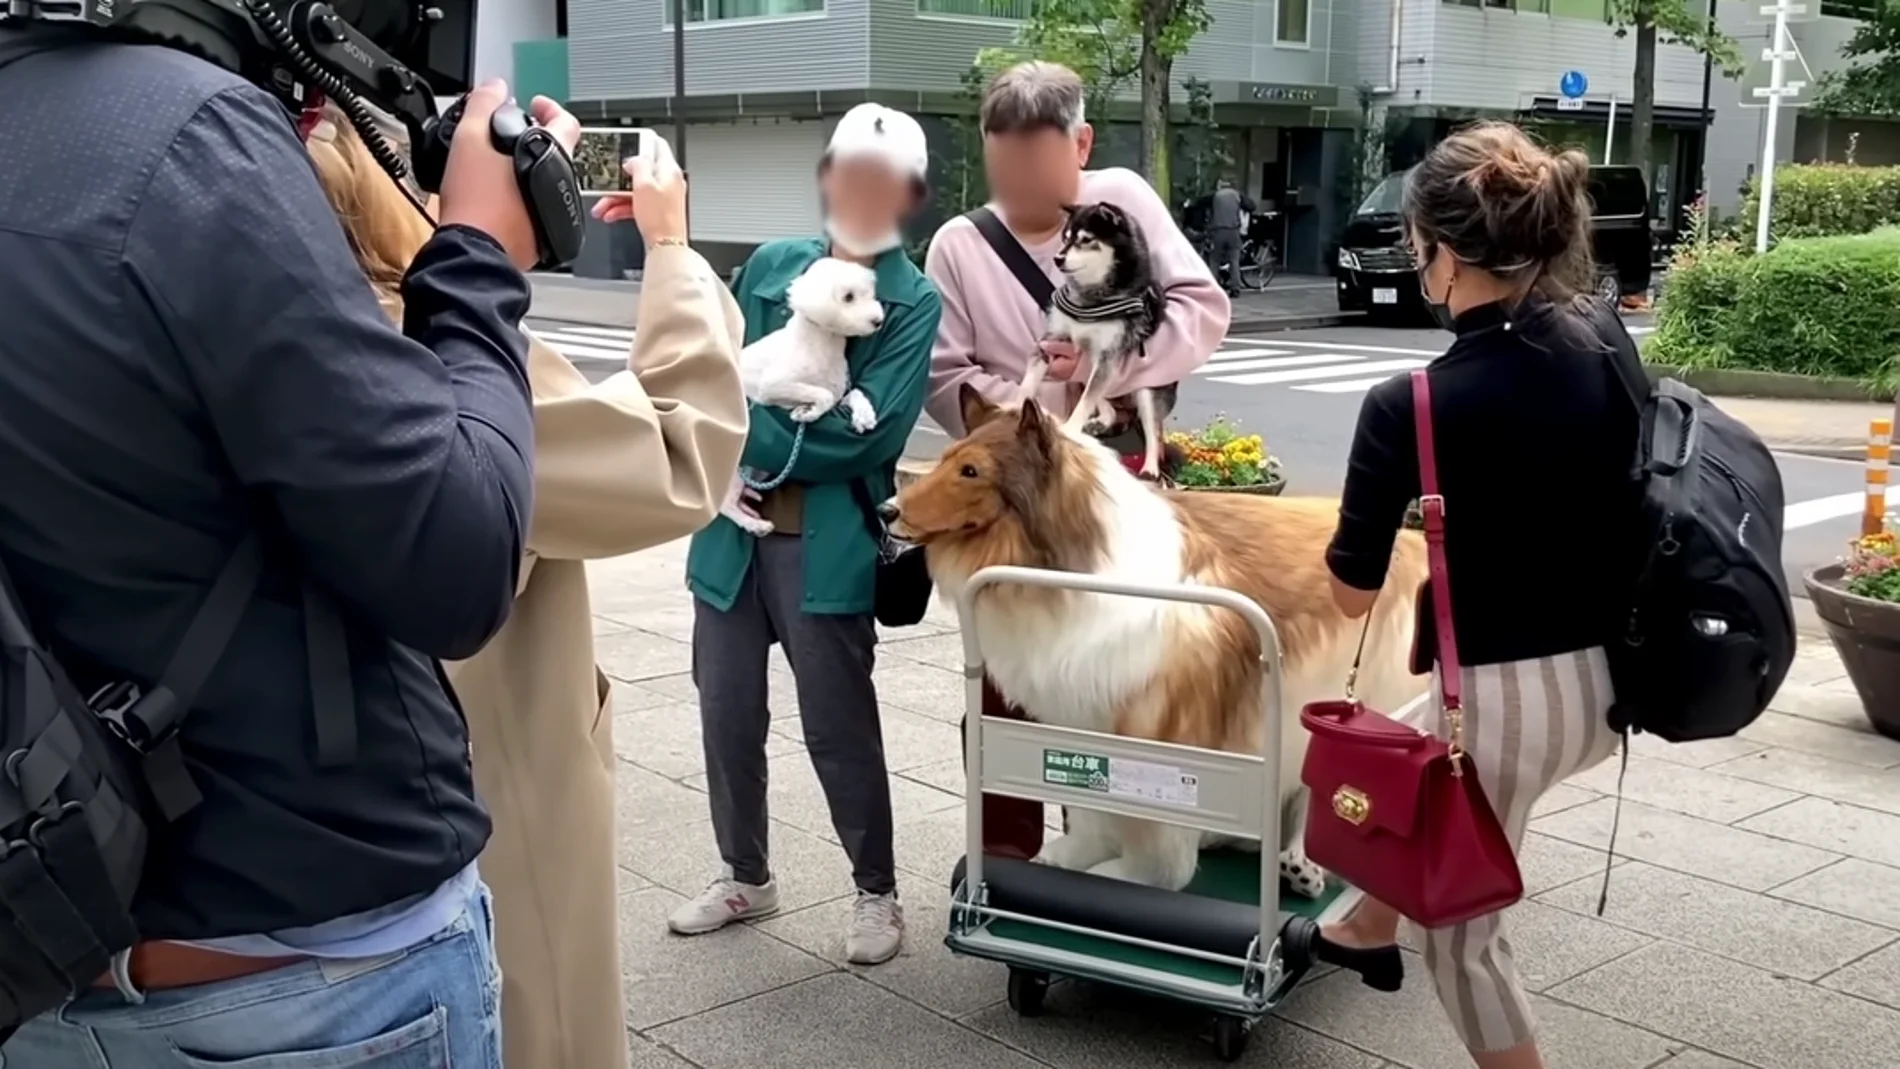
193,358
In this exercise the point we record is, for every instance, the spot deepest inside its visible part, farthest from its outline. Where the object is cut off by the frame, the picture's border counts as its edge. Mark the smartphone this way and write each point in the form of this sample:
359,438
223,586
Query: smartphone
602,150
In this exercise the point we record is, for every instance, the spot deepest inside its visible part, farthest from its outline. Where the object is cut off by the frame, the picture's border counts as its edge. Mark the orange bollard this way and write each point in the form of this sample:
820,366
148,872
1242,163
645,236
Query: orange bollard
1879,449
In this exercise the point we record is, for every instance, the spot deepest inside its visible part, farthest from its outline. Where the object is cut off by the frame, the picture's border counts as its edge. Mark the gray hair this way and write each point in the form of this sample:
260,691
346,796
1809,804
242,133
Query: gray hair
1032,96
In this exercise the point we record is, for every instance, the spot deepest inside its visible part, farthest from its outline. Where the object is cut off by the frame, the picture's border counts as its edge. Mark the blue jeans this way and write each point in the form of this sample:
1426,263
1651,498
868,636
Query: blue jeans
434,1005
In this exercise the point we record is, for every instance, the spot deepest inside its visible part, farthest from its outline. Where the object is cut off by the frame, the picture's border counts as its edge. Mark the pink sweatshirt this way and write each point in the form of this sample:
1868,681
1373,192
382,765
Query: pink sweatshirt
990,326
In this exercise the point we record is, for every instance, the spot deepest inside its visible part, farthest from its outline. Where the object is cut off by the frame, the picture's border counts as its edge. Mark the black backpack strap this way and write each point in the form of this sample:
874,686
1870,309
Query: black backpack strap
332,697
1014,257
152,721
1627,361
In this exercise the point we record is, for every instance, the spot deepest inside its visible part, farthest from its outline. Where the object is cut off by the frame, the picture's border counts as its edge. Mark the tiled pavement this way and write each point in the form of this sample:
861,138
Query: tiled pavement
1753,920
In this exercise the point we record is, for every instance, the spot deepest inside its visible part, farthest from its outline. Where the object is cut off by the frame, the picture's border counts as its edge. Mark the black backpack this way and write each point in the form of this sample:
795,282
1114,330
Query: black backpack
86,779
1710,634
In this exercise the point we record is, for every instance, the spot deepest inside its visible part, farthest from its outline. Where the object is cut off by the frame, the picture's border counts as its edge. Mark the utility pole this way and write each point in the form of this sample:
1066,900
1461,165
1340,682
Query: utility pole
679,93
1708,121
1778,53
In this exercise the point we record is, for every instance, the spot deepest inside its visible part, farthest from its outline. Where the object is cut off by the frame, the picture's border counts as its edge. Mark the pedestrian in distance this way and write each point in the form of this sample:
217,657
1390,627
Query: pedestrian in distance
810,585
1227,214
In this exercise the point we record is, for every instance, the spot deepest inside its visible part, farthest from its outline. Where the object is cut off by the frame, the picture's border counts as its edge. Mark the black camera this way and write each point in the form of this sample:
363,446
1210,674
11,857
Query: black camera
356,54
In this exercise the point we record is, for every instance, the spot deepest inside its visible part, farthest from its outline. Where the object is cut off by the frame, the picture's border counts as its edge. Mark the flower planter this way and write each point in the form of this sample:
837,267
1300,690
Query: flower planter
1866,633
1271,488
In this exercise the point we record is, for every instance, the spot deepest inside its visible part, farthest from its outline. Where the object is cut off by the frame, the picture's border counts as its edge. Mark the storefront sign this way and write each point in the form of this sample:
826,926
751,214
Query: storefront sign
1307,96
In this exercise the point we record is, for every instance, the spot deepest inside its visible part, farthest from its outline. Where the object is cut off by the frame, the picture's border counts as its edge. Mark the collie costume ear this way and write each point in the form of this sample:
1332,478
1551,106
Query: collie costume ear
976,408
1033,427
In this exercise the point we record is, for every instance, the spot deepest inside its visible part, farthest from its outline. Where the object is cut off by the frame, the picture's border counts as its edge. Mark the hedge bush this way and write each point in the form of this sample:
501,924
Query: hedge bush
1814,306
1825,199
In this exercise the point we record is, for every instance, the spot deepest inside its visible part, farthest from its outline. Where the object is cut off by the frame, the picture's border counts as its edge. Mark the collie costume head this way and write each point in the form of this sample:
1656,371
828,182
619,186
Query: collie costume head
1016,489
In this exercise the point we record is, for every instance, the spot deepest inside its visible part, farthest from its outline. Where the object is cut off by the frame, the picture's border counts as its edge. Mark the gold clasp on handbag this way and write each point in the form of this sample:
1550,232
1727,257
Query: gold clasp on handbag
1455,748
1351,805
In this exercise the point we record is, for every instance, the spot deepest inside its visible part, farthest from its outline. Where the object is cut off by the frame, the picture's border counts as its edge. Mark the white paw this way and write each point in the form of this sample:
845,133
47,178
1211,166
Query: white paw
863,420
808,413
1117,868
1070,852
1305,878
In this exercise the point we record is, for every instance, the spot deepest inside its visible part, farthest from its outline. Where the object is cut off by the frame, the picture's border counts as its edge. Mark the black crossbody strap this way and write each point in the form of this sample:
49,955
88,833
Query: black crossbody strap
1014,257
868,509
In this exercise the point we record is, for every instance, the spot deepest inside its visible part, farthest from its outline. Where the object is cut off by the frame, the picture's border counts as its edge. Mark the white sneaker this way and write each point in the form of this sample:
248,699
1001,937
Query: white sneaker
723,902
877,930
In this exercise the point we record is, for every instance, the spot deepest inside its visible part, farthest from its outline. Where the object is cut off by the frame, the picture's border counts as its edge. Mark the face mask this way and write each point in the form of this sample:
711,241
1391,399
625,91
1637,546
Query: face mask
854,246
1441,310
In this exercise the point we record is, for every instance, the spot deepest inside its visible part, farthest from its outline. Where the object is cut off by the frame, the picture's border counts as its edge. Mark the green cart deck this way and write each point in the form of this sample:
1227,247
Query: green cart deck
1231,875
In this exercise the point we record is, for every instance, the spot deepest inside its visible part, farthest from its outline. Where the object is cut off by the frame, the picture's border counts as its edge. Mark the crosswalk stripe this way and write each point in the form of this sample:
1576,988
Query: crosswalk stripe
1284,359
1242,354
1261,378
1348,386
1355,347
569,345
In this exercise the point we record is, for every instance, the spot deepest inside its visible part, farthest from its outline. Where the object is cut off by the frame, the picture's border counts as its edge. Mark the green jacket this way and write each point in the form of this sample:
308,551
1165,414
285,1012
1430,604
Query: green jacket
892,368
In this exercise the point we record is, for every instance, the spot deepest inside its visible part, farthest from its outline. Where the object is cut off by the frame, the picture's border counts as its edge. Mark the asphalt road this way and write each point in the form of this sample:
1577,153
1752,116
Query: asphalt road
1301,391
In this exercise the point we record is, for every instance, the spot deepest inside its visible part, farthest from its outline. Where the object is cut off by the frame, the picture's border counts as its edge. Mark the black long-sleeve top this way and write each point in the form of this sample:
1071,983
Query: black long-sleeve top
1535,438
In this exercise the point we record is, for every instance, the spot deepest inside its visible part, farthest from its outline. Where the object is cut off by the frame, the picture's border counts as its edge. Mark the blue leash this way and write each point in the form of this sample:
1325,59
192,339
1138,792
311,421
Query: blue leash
776,481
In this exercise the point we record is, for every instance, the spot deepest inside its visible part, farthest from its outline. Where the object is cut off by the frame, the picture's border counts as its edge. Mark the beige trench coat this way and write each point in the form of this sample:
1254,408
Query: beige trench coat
633,462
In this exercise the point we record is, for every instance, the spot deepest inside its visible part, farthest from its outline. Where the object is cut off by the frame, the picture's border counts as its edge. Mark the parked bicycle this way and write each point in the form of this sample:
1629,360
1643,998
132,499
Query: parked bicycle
1259,253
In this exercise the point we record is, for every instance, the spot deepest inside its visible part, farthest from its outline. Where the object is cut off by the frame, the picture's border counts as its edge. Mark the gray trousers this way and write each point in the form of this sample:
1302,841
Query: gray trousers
831,659
1226,250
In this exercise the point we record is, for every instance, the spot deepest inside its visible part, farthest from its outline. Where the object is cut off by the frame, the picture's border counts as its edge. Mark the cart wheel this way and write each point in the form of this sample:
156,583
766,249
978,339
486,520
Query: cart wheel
1026,991
1230,1038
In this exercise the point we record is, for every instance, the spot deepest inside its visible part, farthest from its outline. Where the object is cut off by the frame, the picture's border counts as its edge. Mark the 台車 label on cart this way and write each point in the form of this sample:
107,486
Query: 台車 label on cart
1121,776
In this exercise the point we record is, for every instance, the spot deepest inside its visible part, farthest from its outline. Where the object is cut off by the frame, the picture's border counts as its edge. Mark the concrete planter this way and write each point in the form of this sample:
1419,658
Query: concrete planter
1866,633
1271,488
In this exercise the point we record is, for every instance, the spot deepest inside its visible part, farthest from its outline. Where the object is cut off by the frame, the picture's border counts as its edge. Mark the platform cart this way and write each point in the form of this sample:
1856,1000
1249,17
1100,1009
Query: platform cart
1230,942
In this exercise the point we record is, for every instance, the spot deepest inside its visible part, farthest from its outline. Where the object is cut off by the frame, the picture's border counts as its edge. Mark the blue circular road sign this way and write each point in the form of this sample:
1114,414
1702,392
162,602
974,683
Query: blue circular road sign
1573,84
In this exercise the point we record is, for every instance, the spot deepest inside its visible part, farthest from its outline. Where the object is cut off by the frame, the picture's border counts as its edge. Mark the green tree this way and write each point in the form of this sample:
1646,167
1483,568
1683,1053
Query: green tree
1112,44
1684,22
1199,144
1097,39
1168,27
1870,85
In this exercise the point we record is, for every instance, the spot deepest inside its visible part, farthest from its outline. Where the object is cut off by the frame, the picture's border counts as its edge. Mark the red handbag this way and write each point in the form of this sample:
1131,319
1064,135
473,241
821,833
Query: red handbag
1395,812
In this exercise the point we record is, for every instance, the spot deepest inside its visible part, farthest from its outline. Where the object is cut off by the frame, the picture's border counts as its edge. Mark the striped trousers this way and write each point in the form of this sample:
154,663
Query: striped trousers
1528,725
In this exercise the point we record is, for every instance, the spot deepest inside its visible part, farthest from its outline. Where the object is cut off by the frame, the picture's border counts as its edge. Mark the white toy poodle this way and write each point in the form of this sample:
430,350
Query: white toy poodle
801,367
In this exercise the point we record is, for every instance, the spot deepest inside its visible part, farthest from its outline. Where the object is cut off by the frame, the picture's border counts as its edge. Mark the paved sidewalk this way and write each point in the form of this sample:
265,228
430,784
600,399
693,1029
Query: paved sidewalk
1754,915
1817,428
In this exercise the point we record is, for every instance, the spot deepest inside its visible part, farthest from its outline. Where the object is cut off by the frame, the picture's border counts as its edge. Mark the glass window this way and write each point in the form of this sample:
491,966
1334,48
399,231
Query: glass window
719,10
1290,22
1860,10
1618,191
1385,197
1014,10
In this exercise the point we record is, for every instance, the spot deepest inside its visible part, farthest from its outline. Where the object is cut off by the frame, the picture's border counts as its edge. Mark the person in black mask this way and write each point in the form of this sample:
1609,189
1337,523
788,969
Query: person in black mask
193,361
1499,230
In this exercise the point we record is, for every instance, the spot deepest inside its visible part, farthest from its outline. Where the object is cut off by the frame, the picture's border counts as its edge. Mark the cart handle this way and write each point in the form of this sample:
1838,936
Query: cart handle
1220,597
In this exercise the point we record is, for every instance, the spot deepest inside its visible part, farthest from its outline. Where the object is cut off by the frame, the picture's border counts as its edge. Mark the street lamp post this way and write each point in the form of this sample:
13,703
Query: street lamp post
679,93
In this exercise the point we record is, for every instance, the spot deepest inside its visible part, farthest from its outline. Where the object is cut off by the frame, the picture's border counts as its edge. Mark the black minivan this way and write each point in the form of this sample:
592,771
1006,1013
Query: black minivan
1375,272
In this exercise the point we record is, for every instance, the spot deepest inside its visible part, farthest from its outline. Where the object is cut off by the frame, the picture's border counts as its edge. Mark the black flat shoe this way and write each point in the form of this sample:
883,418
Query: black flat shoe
1379,968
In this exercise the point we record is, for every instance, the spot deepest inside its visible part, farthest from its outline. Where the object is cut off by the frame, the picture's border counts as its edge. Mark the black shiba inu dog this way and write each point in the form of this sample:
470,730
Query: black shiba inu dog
1108,307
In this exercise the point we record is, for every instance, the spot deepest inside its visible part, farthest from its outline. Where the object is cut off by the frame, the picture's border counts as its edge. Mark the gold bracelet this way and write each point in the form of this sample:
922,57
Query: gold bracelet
662,242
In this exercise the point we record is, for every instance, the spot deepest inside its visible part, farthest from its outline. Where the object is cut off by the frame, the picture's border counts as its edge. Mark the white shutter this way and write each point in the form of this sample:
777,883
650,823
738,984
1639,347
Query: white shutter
754,182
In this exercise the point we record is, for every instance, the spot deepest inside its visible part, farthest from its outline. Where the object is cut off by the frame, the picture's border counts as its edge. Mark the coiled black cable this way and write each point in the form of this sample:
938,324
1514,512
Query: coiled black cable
354,108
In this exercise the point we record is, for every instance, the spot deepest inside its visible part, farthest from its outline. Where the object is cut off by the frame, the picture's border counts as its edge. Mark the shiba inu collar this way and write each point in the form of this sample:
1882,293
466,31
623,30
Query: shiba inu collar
1114,308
